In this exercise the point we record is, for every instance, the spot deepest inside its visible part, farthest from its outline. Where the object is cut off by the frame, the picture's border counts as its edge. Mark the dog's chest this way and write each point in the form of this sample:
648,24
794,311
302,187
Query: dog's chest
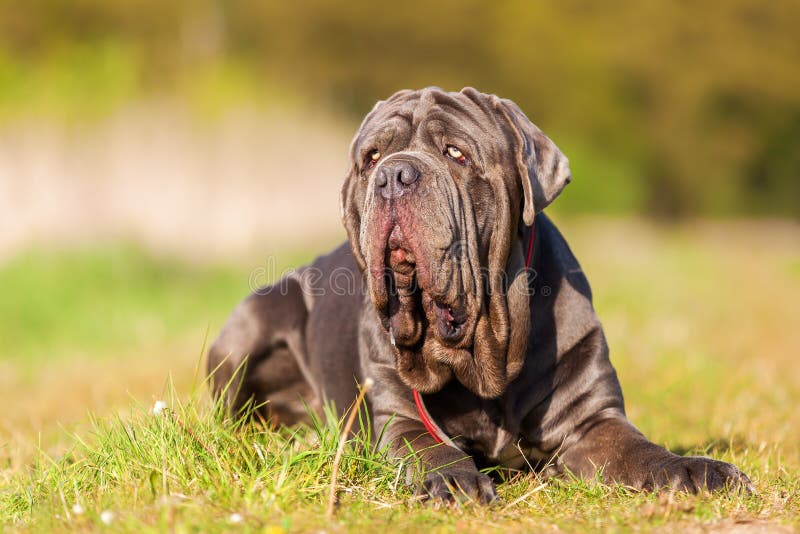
484,429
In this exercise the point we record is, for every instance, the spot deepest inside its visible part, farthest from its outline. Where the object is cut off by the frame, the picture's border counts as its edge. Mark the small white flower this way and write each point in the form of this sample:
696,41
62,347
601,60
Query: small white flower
77,509
107,517
369,382
159,407
235,518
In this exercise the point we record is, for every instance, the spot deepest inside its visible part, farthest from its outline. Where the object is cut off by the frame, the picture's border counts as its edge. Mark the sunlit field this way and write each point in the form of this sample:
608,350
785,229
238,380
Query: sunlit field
160,159
701,317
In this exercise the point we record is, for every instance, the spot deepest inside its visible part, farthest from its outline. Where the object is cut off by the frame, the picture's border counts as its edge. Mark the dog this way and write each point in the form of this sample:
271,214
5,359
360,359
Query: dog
464,305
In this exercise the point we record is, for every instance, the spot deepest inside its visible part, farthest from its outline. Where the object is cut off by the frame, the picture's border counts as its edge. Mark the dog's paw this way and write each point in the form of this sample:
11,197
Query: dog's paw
450,486
696,474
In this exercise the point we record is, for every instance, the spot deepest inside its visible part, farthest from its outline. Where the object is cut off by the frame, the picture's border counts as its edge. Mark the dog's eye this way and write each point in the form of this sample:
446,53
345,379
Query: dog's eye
454,153
372,157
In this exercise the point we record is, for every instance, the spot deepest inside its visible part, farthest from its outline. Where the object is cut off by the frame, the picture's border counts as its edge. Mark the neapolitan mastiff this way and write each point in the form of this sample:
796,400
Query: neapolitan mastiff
463,303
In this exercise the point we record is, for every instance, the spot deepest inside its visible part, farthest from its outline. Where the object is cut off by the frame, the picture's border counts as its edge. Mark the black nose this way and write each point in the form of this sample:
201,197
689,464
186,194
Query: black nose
393,178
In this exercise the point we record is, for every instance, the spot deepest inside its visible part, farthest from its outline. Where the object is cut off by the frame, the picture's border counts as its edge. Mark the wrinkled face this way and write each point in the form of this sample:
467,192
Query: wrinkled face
427,219
432,206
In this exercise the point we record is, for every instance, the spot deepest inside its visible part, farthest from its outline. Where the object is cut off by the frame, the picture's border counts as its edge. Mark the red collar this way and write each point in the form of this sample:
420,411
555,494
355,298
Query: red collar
433,429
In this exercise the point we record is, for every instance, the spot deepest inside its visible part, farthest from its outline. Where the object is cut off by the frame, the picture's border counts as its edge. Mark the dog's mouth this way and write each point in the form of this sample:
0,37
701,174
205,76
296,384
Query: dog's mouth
450,323
413,306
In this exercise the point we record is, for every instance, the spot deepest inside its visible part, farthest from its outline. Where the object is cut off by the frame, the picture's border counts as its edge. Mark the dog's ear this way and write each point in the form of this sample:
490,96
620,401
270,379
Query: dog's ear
351,197
351,200
543,168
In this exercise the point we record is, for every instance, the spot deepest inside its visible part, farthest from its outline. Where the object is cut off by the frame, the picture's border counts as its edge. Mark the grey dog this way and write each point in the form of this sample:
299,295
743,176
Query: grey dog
461,293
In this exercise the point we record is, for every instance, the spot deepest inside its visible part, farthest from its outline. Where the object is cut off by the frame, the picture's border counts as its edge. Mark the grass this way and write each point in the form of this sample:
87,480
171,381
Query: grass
58,301
700,319
190,467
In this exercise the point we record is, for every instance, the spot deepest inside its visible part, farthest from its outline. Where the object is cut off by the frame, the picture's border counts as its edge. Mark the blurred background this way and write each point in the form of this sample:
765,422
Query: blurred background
156,157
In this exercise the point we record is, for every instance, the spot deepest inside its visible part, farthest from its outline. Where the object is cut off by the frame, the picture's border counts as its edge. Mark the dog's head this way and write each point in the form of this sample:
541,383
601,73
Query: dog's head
438,188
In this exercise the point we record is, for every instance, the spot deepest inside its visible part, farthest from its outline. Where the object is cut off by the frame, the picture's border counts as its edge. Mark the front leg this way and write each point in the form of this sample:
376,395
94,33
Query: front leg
625,456
444,473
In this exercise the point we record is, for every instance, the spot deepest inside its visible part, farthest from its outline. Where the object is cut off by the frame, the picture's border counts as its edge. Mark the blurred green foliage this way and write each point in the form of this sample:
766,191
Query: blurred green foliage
667,108
89,300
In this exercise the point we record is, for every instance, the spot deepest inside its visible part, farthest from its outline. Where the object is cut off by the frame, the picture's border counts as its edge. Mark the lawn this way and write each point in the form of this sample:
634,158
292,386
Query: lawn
702,320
